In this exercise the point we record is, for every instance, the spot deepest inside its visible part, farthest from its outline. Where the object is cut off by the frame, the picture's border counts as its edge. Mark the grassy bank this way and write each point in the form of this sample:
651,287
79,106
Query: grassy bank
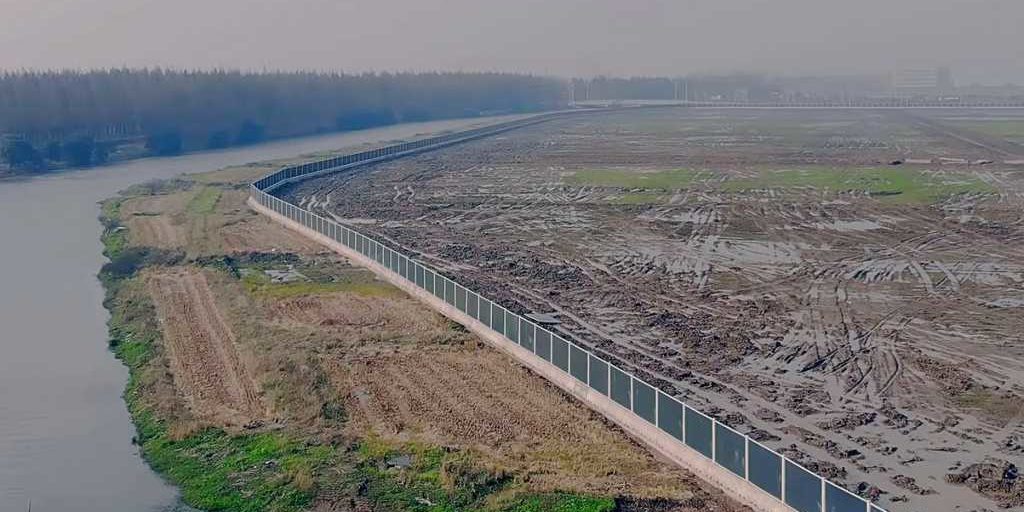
215,470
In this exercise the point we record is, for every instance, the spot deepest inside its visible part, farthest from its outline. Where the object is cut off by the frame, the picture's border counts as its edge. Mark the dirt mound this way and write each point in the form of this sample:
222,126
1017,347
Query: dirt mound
993,481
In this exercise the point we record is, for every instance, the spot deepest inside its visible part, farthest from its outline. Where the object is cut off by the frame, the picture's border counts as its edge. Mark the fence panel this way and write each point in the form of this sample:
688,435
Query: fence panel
578,363
644,401
803,489
838,499
765,469
511,326
419,275
598,377
473,305
485,311
543,344
698,432
621,388
460,297
449,291
560,352
670,415
428,281
498,319
730,449
526,334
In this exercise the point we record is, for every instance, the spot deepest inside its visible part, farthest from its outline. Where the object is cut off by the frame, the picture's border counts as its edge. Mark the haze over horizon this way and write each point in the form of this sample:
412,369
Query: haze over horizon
978,39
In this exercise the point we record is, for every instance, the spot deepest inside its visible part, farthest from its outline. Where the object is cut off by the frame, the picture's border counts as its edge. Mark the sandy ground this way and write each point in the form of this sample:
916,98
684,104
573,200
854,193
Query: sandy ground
874,338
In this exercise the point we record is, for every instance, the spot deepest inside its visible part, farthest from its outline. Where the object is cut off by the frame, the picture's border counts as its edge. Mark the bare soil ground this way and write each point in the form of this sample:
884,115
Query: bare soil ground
163,220
150,225
459,396
336,356
786,271
202,351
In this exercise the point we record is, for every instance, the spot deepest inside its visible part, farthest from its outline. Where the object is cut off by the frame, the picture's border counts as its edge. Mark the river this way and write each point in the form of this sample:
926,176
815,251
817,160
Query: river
65,435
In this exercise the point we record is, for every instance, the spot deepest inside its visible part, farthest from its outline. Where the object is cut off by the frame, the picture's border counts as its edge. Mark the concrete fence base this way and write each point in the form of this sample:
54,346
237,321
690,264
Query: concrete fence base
659,442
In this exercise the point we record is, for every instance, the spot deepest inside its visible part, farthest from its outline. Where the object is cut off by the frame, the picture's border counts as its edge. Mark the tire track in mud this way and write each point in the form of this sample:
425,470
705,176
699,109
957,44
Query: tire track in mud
873,304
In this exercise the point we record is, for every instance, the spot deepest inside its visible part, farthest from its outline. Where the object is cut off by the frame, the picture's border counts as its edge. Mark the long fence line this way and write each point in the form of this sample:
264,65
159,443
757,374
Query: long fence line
888,104
788,482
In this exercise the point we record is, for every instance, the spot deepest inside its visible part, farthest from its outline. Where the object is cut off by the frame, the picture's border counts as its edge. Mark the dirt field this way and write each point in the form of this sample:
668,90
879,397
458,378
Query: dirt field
844,285
264,332
206,220
202,350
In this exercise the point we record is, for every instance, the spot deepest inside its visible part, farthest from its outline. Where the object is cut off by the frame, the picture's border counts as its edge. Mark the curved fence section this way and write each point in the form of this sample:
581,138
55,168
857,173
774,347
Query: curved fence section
788,482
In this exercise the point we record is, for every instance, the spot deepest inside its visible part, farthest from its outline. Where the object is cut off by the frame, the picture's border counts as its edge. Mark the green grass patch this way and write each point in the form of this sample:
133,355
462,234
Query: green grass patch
247,473
558,502
659,180
428,478
424,478
204,202
895,184
115,235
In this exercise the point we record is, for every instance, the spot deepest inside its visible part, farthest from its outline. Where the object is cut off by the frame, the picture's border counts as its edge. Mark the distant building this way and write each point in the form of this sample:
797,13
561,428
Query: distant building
922,80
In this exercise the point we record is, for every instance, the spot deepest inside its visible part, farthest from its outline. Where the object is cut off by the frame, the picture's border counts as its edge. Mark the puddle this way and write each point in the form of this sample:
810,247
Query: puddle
400,461
1006,302
285,276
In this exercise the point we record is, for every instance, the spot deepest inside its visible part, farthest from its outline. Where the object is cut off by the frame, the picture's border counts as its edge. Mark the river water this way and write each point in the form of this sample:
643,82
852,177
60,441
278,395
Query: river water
65,435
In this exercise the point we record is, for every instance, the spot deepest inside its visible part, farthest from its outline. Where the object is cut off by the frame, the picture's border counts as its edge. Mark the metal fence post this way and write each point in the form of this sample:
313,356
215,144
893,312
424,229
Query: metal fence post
746,458
657,407
822,480
608,377
782,483
588,369
714,440
631,401
568,357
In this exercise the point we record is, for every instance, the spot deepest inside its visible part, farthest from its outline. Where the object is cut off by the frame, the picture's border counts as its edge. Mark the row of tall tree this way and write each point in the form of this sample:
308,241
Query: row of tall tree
78,118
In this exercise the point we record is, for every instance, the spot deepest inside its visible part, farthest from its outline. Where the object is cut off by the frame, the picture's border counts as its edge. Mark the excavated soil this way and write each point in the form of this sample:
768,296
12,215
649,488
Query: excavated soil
871,334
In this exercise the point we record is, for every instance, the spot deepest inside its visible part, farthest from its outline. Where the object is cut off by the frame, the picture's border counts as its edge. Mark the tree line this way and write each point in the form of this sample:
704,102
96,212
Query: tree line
74,118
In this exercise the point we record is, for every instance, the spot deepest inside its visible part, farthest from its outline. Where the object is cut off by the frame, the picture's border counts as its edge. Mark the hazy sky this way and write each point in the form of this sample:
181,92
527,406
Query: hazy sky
981,40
